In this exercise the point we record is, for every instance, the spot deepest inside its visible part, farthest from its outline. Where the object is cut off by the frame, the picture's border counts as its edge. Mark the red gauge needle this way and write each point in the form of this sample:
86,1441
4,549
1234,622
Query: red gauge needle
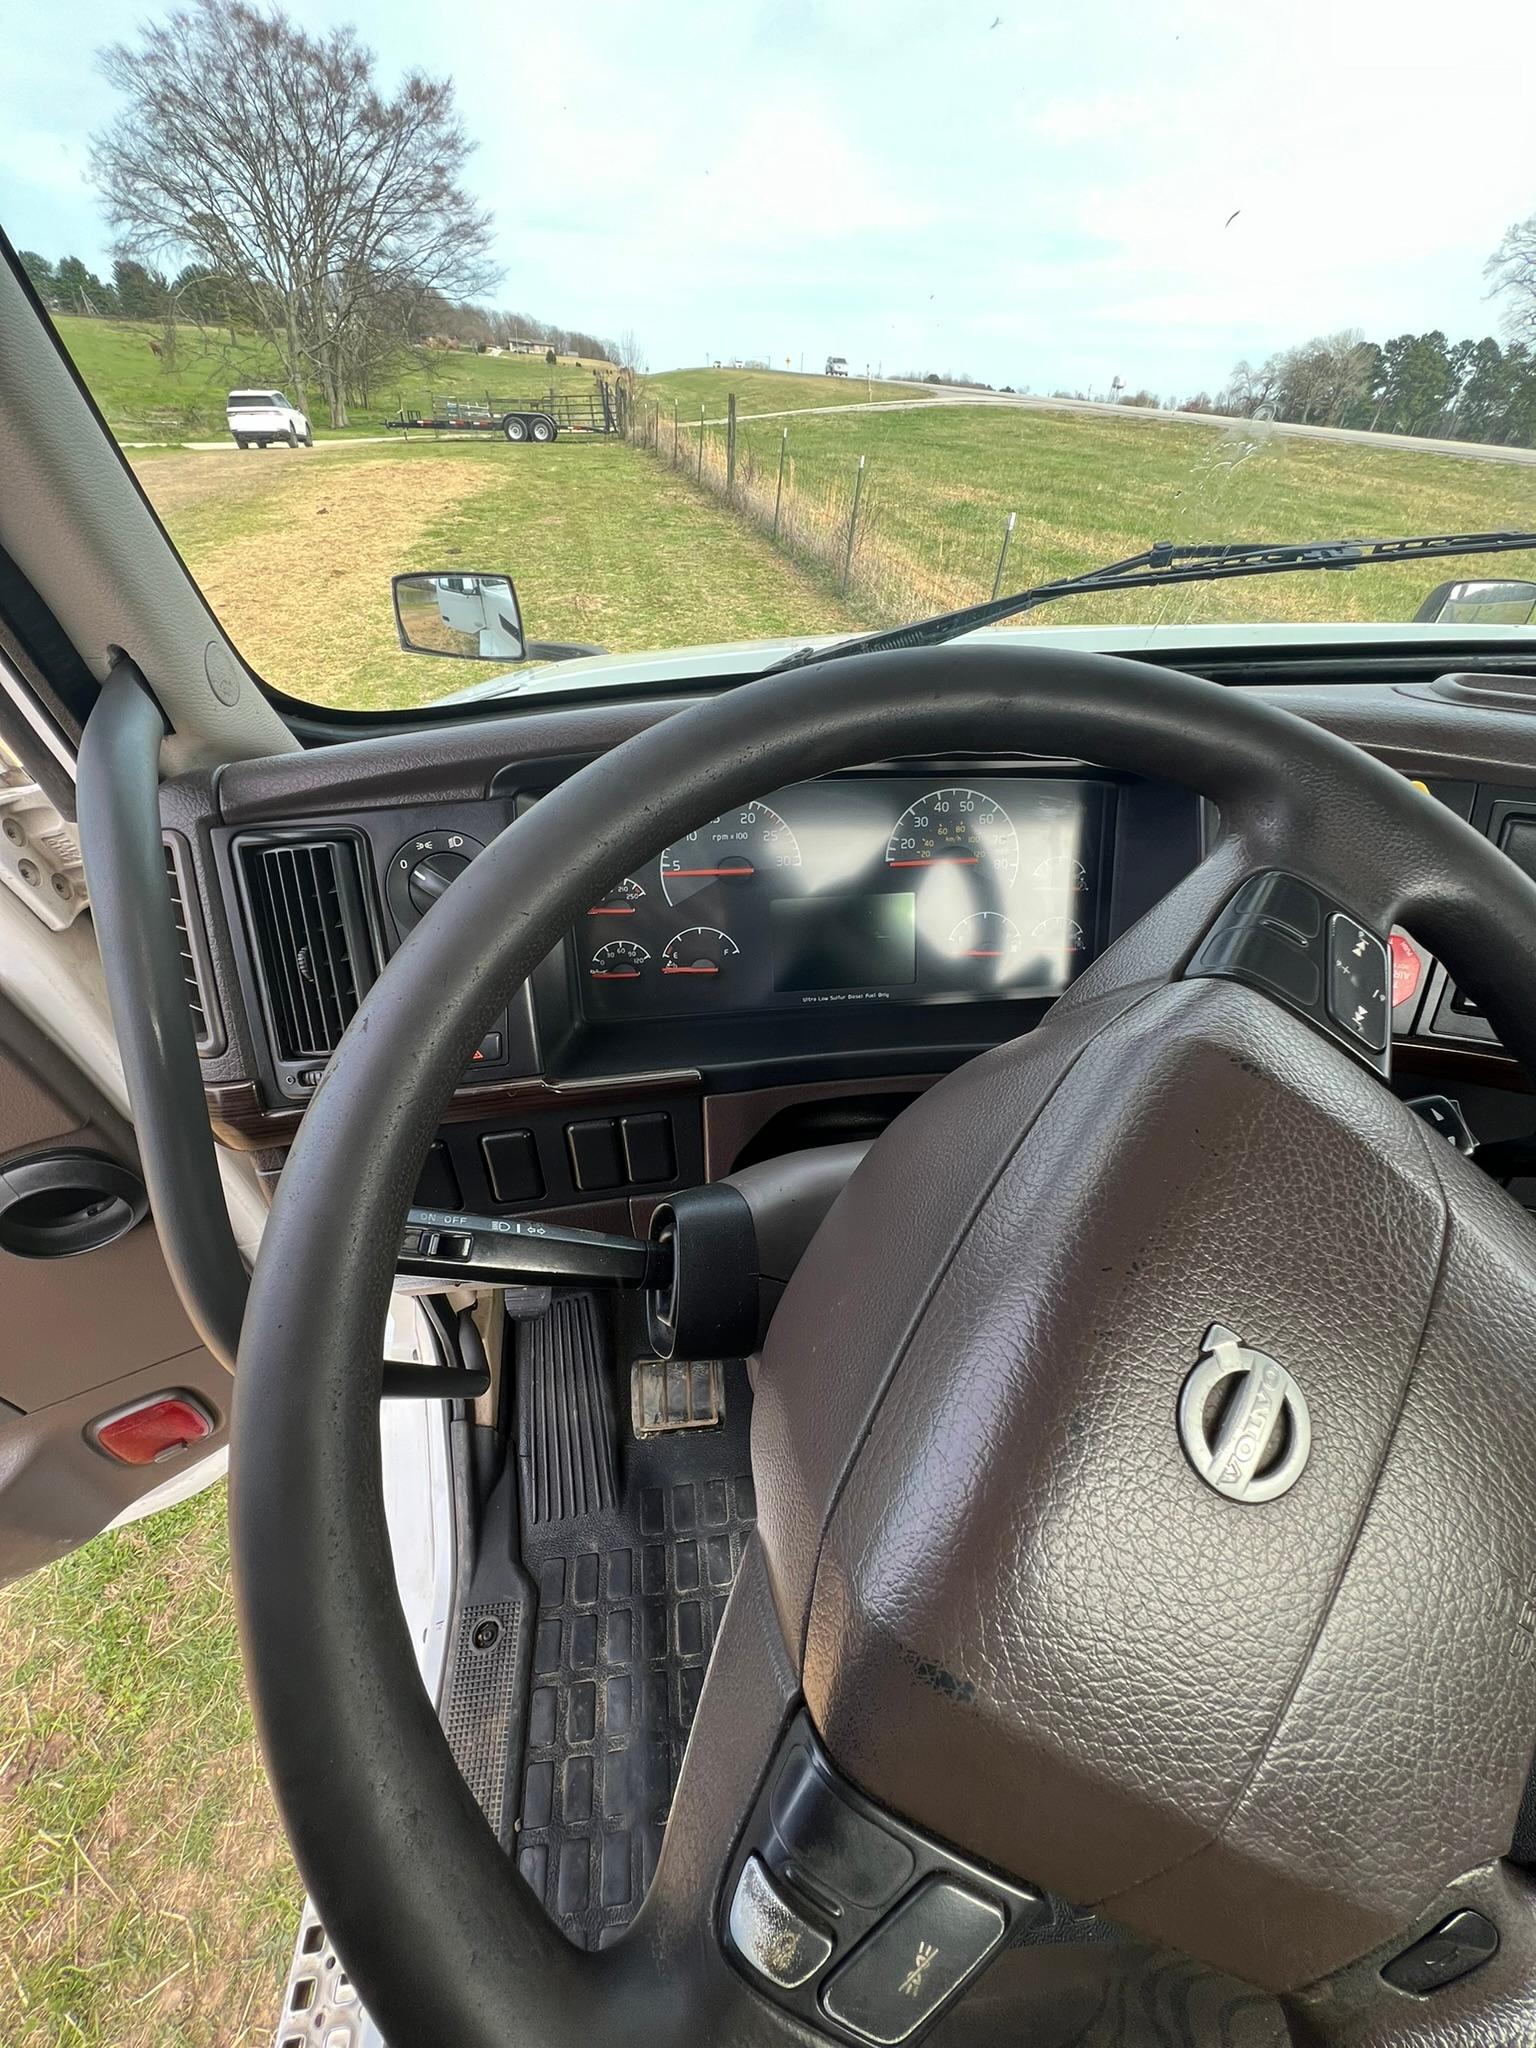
615,974
676,874
984,953
939,860
706,968
611,910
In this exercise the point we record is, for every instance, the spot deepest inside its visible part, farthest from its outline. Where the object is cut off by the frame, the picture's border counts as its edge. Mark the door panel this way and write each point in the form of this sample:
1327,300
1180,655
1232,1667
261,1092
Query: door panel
80,1335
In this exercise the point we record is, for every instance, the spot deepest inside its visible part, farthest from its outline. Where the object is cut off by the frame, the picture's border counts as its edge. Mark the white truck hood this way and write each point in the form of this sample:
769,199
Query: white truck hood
664,666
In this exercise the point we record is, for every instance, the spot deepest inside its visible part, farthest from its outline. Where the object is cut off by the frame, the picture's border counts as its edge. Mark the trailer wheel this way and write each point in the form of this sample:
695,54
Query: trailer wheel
515,427
542,429
241,442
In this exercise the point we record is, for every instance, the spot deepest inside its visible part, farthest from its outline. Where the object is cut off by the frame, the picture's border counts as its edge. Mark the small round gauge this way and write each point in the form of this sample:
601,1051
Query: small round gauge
619,960
621,901
1061,870
701,950
955,828
985,935
1060,931
730,852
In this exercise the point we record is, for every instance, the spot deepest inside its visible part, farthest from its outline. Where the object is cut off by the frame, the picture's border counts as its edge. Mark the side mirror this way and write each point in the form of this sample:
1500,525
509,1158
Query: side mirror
467,617
1478,604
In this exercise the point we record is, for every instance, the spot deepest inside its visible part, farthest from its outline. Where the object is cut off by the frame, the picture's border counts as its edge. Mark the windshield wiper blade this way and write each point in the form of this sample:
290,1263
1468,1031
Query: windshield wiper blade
1169,562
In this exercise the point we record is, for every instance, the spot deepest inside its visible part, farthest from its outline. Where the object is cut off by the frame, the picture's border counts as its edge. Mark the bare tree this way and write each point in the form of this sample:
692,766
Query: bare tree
1511,273
631,354
272,157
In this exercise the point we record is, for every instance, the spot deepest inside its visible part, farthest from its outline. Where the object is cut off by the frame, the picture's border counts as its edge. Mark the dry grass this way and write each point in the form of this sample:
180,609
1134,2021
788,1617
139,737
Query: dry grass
147,1896
296,551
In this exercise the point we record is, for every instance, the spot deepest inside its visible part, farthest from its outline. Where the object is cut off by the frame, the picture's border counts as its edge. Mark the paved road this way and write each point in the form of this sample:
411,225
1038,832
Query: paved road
965,394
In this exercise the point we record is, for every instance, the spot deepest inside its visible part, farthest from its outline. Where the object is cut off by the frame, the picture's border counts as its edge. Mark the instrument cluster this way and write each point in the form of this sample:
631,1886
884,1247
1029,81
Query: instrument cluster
857,889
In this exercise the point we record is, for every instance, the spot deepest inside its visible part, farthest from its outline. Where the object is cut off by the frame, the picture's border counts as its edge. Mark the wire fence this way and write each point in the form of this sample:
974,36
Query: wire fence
831,523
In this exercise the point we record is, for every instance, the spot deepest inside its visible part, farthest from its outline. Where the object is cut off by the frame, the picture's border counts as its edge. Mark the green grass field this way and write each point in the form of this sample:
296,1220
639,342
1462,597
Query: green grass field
940,482
147,1896
145,401
759,391
295,550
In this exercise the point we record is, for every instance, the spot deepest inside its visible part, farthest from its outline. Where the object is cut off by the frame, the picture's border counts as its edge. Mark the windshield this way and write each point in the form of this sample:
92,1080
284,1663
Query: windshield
755,325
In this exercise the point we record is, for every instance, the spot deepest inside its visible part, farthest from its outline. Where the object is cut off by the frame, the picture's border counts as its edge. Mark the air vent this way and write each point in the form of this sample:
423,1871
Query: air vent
196,972
314,958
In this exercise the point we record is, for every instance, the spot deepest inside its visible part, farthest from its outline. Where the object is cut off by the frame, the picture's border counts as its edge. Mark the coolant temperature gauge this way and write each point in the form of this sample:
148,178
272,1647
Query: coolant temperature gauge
701,949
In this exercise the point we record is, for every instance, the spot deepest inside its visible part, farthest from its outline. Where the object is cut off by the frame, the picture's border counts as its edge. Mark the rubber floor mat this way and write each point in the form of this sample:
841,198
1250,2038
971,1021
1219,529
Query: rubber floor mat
629,1601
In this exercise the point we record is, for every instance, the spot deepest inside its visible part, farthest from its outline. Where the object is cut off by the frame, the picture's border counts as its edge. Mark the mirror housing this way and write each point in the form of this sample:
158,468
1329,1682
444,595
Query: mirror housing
1479,602
465,615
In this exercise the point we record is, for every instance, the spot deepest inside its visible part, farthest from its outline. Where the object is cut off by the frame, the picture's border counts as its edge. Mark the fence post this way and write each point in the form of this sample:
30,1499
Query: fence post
700,471
730,445
778,496
674,433
853,521
997,580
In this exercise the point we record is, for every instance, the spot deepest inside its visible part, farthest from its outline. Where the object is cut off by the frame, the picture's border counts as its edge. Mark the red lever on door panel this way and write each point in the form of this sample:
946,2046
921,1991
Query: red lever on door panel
153,1429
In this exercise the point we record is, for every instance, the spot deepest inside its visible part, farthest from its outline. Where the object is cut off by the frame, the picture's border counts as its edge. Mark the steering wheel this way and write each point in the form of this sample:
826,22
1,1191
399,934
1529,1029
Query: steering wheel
1254,1681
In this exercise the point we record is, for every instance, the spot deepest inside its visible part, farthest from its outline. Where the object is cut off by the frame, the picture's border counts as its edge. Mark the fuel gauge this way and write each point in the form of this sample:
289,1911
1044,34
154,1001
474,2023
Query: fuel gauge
702,950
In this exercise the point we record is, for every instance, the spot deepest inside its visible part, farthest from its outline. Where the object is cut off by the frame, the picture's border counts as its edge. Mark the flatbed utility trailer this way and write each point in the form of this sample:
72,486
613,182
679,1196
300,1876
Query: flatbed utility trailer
515,419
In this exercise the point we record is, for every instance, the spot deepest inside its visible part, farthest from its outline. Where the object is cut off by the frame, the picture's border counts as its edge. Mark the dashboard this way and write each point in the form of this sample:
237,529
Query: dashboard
789,973
856,890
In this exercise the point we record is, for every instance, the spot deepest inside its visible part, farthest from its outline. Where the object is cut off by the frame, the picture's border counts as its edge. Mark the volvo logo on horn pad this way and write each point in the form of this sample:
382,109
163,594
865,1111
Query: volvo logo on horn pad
1243,1420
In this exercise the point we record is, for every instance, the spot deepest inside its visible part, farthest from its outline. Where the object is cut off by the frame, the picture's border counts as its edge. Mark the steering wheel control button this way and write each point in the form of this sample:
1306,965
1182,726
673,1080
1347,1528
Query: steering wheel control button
1283,900
917,1957
1280,935
1271,955
1359,981
1450,1951
1243,1420
834,1848
777,1939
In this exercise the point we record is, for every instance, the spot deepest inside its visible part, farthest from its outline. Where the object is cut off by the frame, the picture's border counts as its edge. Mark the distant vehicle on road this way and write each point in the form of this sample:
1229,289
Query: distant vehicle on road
837,366
264,417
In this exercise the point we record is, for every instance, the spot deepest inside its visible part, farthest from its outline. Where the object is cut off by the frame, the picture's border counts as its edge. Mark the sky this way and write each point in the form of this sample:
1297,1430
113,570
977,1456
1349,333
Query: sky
1048,197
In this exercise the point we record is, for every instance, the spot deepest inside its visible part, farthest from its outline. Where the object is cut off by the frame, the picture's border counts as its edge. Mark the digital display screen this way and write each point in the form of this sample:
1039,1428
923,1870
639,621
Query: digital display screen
822,942
857,889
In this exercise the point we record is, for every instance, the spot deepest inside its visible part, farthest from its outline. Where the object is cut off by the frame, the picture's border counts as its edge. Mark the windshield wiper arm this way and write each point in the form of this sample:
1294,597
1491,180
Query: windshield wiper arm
1169,562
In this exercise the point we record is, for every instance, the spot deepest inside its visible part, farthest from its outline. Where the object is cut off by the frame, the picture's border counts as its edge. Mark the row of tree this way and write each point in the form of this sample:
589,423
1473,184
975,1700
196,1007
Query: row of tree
1415,383
204,298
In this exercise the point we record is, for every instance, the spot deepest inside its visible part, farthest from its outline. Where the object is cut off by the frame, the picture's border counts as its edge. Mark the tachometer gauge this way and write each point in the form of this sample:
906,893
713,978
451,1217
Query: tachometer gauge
621,901
730,852
701,950
619,960
985,936
955,828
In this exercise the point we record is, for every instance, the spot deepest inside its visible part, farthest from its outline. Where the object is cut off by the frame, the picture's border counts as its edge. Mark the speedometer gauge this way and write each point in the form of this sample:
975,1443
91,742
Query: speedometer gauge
955,828
731,852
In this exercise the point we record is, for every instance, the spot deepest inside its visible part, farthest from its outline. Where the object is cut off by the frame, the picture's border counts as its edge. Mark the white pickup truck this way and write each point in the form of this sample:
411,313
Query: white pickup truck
266,416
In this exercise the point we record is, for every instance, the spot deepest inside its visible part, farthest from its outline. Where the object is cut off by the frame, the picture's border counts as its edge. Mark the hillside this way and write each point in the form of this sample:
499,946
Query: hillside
145,401
941,479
